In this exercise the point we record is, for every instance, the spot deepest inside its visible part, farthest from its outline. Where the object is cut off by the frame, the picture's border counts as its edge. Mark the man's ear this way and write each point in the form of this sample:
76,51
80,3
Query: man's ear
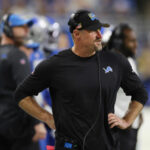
76,34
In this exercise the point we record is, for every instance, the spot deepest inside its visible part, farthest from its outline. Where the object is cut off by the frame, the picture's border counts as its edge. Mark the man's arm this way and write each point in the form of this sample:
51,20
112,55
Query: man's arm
29,105
133,87
123,123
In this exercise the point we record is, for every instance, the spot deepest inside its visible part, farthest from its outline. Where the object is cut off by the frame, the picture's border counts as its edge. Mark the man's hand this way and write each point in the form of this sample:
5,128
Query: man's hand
40,132
29,105
134,110
115,121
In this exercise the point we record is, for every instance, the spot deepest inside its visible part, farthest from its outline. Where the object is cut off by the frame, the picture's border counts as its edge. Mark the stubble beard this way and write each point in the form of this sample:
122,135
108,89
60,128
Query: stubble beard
98,47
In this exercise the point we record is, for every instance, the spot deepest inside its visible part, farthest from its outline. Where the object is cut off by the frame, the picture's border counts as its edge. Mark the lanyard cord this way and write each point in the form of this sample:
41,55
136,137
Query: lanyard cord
100,97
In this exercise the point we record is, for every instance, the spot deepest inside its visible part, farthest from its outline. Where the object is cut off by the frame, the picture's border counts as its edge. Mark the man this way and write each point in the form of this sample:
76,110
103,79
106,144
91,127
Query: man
83,83
17,129
123,40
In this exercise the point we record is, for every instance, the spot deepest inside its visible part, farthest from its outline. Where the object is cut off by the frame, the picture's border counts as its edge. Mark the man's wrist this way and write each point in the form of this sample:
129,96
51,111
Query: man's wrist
127,122
47,117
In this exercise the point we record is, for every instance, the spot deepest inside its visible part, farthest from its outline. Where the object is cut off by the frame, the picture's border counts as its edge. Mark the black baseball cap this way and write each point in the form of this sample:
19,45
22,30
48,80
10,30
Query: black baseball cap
84,19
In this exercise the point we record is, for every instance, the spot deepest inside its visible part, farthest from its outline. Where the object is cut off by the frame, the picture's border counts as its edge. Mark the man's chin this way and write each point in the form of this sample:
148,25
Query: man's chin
99,48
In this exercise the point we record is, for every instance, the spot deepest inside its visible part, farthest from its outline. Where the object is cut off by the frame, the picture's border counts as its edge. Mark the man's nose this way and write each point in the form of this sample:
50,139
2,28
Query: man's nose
99,35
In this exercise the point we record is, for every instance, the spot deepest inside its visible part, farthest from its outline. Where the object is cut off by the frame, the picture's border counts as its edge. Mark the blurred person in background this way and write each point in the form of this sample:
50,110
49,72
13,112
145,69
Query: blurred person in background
35,56
123,40
29,49
18,130
83,82
43,40
45,32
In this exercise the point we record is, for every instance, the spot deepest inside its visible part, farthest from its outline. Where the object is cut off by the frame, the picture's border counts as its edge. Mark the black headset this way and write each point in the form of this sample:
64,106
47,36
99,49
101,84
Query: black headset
73,21
7,29
116,40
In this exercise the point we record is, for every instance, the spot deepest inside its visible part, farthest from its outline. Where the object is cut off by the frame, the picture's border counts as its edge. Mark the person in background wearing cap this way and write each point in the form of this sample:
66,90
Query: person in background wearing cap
18,130
83,83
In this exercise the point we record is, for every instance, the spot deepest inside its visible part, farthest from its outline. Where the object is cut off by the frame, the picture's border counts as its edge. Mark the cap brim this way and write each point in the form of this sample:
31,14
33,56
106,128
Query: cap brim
97,26
106,25
31,22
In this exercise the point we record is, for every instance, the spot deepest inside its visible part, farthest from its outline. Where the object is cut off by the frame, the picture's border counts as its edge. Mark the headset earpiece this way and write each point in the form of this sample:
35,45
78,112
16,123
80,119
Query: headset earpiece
7,28
73,22
117,37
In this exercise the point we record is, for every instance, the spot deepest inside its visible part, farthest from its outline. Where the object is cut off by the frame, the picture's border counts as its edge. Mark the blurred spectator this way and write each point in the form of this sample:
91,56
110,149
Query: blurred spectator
43,39
18,130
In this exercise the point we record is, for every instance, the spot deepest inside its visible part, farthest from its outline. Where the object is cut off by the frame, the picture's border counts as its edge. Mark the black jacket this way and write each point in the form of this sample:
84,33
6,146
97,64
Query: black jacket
83,92
14,67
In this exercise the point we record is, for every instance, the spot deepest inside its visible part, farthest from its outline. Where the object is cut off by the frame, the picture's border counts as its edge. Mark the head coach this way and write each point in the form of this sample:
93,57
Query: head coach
83,83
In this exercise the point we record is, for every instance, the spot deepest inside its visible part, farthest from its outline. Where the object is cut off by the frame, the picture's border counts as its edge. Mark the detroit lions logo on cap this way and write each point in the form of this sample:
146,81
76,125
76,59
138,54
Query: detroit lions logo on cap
92,16
108,69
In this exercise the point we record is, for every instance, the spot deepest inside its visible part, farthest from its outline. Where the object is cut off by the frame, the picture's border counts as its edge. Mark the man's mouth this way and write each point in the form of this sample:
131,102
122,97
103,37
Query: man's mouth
99,41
